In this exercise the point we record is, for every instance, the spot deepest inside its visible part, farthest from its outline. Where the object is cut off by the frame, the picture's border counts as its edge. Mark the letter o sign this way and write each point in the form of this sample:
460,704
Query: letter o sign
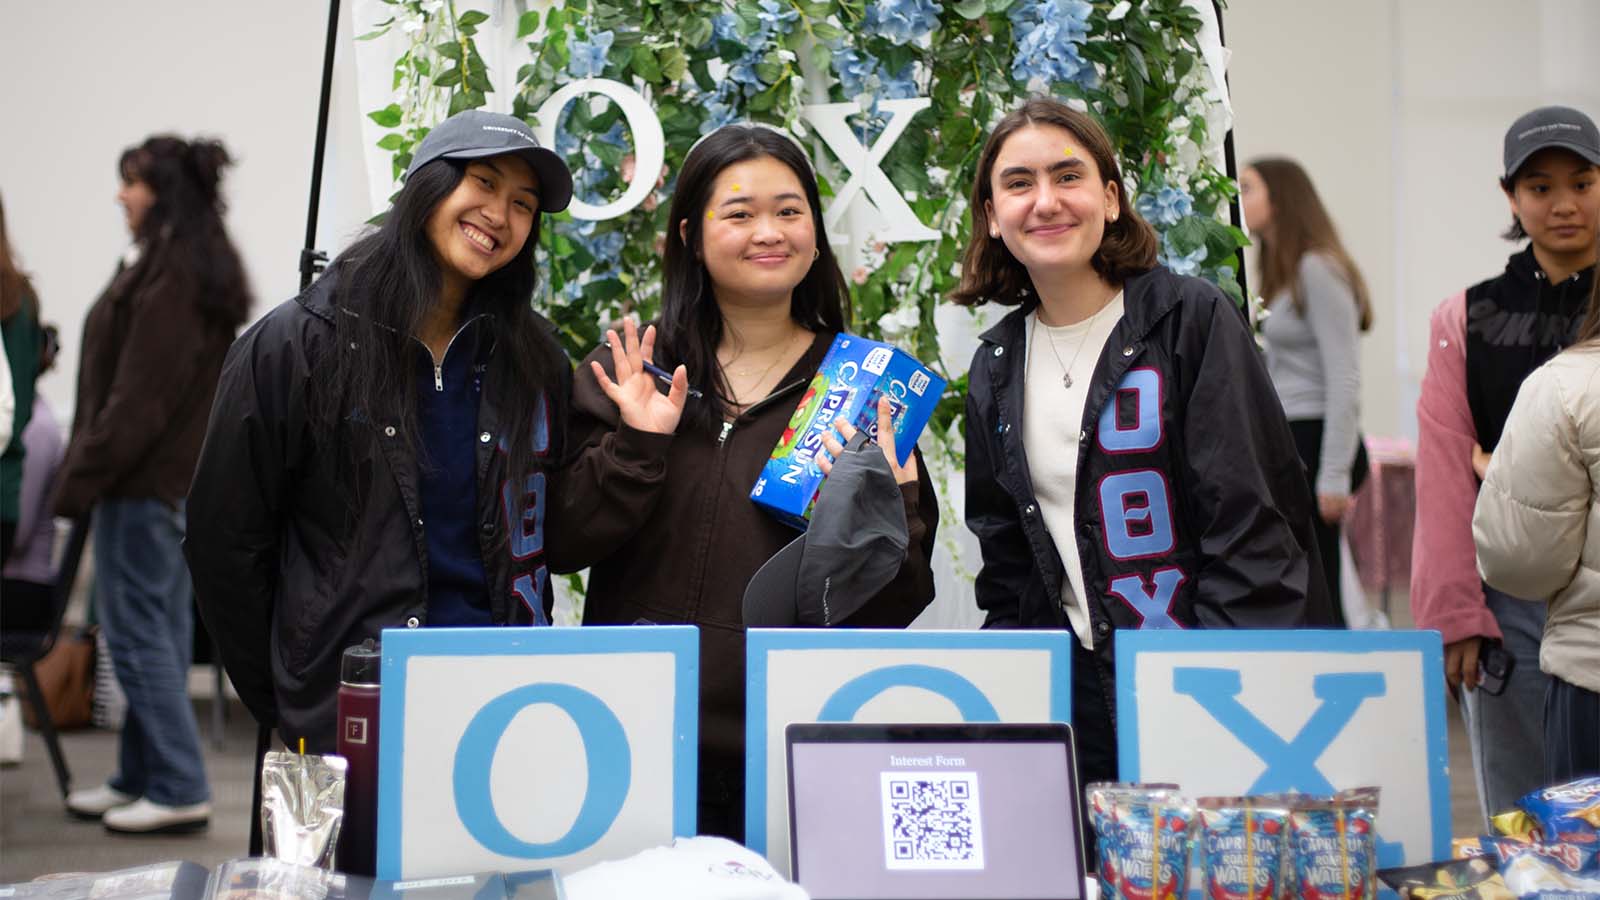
649,142
605,746
847,701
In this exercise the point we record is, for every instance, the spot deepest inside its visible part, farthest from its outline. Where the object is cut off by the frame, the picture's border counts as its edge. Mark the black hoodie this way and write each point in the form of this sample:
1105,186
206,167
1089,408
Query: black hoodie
1515,322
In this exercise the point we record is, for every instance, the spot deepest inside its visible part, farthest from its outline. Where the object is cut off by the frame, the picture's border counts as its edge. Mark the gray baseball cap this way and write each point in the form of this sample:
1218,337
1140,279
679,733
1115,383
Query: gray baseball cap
854,546
476,134
1551,126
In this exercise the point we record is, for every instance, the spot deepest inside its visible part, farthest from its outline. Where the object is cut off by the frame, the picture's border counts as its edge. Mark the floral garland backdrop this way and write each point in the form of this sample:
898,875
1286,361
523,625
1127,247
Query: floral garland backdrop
1138,66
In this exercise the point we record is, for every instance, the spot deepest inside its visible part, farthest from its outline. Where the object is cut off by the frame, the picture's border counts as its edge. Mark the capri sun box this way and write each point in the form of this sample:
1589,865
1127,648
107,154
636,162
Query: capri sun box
854,374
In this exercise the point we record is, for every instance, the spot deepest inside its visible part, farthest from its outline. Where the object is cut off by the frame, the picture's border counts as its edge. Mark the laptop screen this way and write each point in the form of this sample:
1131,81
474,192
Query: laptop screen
881,812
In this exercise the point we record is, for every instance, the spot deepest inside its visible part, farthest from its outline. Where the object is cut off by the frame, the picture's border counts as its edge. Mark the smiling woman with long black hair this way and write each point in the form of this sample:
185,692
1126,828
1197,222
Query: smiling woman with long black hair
659,494
352,475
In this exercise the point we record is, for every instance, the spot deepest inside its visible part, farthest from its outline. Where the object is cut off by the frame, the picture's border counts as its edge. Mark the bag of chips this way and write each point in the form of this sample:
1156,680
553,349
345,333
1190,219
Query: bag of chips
1457,879
1566,812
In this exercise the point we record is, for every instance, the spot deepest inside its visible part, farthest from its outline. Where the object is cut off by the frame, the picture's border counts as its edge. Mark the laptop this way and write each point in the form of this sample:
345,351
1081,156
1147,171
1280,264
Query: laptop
919,812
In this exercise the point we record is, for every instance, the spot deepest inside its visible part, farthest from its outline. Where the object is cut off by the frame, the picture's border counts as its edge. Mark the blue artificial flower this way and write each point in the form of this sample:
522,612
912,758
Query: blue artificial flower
589,57
859,74
719,112
725,27
1181,264
900,86
607,246
1165,207
901,21
853,70
743,72
1048,34
773,18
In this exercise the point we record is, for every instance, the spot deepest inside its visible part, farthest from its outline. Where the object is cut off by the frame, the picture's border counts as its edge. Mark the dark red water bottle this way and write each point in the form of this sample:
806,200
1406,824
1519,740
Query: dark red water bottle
358,743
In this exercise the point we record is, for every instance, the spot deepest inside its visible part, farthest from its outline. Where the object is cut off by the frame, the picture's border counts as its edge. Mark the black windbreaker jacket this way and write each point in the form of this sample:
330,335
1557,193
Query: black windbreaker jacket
286,572
1196,428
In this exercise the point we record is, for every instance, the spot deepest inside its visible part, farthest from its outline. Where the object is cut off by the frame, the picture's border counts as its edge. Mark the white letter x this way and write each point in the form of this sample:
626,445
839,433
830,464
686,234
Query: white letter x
831,121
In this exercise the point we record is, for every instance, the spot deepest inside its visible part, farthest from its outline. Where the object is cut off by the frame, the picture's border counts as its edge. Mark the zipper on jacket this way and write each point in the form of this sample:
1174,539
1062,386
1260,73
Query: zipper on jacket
438,364
723,437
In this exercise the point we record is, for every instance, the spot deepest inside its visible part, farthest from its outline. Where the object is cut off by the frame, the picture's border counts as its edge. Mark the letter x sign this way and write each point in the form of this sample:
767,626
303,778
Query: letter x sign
1228,712
832,124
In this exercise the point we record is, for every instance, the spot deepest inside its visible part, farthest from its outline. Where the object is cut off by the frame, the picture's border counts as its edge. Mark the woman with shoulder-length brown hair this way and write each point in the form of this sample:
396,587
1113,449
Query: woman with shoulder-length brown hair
1128,465
1320,306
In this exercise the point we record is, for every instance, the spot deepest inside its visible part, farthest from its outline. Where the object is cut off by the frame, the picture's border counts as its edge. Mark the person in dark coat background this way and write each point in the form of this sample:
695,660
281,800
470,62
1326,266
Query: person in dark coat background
152,349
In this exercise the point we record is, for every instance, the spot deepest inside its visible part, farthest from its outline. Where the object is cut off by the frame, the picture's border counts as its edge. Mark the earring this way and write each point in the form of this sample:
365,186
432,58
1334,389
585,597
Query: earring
816,254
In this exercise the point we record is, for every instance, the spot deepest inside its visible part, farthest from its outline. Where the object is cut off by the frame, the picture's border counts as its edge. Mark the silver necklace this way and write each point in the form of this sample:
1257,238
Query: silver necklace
1066,370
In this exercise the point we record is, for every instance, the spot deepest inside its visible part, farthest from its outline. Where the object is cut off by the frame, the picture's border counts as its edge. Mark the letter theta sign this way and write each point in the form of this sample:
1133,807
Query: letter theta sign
1255,712
503,749
859,675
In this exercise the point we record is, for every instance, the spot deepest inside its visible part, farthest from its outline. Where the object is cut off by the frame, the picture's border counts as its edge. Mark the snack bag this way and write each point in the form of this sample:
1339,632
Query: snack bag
1515,824
1541,871
1566,812
1335,850
1101,797
1469,848
1457,879
1152,860
1241,848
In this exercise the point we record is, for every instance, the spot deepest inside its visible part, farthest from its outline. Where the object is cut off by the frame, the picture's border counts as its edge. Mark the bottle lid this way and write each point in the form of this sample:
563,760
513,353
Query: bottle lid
362,663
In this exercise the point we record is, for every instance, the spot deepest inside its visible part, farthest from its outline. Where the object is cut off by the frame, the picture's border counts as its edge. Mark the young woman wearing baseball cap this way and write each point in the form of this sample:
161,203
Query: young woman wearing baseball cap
1482,343
353,472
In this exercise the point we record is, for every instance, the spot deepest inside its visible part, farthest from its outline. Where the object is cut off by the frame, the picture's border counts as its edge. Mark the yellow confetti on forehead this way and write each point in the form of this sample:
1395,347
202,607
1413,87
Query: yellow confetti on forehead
736,187
1066,151
711,214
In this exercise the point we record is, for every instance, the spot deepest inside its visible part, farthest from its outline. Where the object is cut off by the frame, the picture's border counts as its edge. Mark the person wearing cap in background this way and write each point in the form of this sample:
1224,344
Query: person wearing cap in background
351,475
1482,343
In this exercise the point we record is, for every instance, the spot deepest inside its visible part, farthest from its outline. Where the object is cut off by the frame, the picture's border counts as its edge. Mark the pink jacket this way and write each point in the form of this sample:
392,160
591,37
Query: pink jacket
1446,594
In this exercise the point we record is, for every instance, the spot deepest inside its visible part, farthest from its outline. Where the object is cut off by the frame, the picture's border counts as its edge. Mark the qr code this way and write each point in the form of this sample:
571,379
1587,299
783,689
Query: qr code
930,821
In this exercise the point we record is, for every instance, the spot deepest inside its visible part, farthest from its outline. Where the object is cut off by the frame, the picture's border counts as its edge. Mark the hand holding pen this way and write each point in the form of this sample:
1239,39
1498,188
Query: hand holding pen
634,392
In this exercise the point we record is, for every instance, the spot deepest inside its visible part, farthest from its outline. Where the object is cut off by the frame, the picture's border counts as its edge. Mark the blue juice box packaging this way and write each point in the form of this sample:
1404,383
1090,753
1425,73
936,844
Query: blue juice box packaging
854,374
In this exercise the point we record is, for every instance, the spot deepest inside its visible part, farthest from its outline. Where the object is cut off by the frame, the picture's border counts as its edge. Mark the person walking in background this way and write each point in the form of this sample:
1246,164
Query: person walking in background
1535,527
1318,305
657,497
1481,345
1127,463
22,335
153,345
28,577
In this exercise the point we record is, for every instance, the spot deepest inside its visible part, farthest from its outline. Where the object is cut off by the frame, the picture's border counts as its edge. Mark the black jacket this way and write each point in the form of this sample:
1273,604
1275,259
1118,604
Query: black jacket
1516,321
287,573
1242,552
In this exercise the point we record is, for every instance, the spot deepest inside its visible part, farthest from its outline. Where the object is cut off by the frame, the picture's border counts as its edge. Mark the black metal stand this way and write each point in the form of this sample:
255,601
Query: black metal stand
1231,162
313,260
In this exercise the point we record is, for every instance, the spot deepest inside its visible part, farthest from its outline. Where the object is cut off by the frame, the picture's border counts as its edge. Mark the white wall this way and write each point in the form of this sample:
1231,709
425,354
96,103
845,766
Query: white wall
82,81
1398,108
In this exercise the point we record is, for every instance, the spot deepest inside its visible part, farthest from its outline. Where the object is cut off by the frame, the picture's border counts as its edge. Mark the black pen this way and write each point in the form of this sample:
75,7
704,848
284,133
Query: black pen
659,372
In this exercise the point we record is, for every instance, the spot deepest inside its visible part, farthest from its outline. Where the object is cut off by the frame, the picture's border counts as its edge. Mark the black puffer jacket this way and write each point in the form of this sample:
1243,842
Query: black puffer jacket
287,572
1239,552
